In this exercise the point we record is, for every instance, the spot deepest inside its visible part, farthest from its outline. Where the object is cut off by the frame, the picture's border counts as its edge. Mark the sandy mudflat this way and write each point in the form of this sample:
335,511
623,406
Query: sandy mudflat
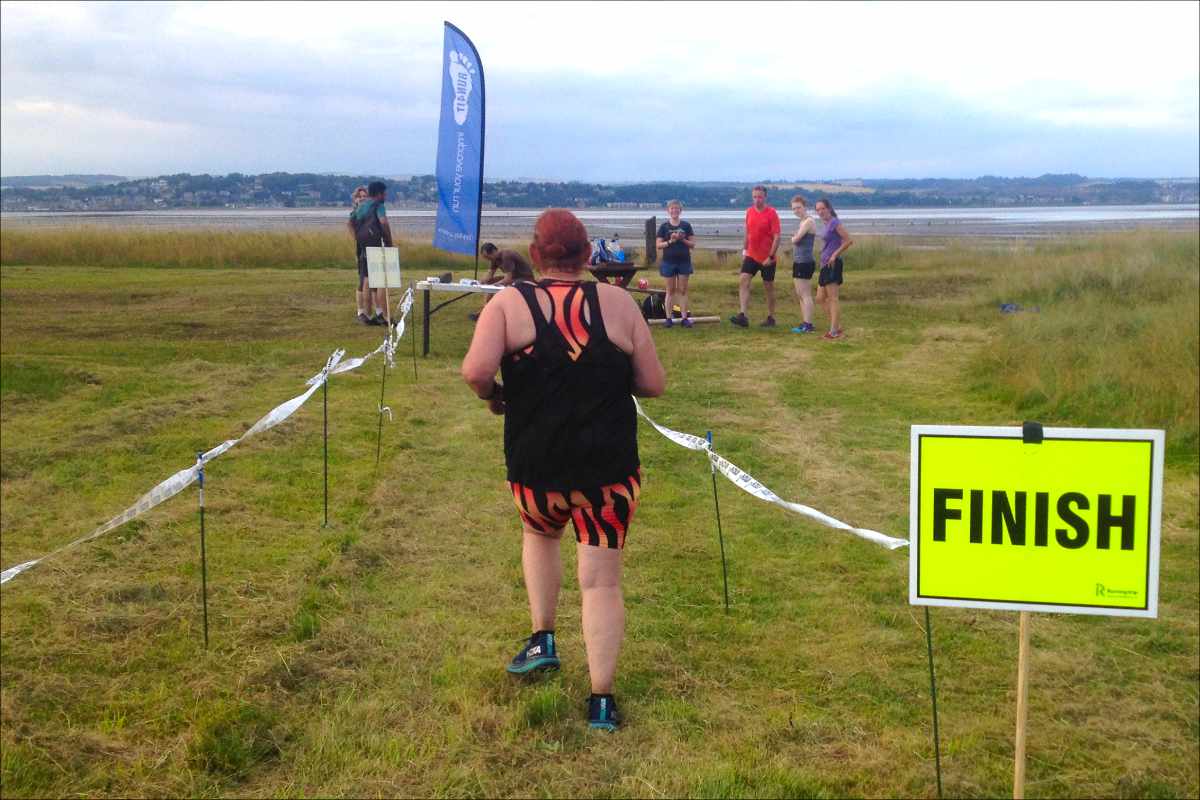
719,230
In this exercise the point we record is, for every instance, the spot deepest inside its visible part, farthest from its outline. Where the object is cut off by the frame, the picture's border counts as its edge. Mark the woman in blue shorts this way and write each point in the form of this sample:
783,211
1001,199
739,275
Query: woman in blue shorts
675,242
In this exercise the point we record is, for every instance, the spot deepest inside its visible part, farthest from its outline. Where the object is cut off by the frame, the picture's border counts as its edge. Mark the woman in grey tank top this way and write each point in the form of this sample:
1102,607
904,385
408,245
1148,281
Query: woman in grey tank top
803,263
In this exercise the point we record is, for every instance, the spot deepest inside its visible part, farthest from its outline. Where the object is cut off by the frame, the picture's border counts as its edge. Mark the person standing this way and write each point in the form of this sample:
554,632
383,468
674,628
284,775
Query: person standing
570,352
368,224
803,263
758,255
675,242
829,282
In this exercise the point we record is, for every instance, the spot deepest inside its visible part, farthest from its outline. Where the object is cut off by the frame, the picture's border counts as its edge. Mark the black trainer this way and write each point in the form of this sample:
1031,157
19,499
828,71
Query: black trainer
769,322
539,653
363,318
602,712
740,320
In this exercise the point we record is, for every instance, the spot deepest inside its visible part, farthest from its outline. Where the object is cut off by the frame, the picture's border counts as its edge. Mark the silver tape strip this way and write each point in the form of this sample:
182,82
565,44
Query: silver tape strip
749,484
181,480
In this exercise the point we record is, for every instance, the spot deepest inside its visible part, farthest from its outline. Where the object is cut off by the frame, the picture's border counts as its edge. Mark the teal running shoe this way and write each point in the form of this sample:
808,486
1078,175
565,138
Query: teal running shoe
538,654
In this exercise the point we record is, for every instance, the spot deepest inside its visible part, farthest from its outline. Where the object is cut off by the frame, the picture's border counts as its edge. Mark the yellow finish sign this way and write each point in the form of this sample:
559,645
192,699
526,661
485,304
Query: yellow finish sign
1065,520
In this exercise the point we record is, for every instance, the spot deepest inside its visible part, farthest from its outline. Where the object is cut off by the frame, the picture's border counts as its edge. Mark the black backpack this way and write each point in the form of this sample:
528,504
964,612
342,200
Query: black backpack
367,230
653,307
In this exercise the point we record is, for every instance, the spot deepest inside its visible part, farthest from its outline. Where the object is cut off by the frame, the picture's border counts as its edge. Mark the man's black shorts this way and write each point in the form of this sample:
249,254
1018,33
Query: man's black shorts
362,264
831,274
803,270
751,267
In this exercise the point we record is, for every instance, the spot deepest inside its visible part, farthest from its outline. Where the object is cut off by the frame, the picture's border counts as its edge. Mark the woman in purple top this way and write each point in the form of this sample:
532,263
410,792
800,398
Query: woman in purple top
837,241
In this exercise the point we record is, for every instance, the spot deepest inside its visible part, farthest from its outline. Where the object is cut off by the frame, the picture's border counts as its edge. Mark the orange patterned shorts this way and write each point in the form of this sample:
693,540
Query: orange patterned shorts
601,516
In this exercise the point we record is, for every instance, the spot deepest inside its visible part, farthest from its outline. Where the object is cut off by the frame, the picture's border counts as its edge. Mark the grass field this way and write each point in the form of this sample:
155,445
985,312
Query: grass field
367,658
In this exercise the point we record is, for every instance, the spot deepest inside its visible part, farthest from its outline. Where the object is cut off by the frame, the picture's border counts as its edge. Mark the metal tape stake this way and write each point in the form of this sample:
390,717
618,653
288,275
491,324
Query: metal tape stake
720,536
937,749
325,443
203,553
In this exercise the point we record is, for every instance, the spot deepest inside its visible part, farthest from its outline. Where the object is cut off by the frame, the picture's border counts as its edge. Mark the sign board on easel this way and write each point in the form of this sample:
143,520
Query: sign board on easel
383,267
1059,520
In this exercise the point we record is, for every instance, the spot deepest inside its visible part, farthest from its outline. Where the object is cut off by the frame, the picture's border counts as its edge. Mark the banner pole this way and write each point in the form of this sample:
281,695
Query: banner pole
325,443
937,748
203,553
720,535
1022,707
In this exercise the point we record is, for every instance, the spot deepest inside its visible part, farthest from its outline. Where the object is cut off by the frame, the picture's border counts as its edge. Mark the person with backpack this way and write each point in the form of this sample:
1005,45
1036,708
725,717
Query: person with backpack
368,225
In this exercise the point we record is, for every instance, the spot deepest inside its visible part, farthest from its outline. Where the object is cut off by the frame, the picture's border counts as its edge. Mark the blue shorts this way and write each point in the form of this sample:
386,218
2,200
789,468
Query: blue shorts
669,269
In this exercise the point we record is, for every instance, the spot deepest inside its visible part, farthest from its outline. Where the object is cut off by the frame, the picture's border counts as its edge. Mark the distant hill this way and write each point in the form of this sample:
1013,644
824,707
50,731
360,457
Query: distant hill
57,181
310,190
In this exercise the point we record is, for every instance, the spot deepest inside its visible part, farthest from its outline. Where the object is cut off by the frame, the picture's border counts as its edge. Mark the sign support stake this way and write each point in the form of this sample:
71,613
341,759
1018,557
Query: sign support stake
387,315
412,335
1022,708
937,747
720,535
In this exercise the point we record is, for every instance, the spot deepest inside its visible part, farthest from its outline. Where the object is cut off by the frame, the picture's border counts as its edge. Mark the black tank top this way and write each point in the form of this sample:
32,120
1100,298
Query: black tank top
570,422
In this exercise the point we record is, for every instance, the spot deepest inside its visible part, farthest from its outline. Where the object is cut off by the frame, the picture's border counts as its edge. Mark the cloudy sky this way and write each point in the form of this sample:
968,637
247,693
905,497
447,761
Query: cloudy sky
607,91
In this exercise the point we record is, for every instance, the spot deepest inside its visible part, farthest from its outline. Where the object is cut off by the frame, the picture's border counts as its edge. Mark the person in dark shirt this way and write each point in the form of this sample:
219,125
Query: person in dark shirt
511,265
675,240
571,352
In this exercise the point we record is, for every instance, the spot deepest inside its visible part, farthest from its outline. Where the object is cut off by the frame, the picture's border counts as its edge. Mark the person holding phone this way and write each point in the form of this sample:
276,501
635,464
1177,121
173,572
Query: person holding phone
675,242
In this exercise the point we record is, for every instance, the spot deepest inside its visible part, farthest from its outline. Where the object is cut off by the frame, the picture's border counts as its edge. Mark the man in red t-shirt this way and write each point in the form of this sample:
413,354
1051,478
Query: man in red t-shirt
758,253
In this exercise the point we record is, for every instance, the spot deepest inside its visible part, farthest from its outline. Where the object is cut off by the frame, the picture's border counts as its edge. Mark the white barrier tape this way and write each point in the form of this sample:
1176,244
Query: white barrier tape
184,478
159,494
747,483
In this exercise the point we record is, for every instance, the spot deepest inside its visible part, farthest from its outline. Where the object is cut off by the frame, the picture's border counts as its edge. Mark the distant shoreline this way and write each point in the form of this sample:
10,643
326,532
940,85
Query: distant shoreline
716,229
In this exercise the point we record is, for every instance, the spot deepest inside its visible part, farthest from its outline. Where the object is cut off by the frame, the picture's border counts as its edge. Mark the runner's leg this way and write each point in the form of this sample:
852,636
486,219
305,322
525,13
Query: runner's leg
543,577
805,298
834,307
603,612
672,282
744,291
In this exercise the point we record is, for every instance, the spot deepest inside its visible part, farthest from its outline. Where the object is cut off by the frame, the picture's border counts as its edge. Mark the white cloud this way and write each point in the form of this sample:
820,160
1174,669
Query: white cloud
619,73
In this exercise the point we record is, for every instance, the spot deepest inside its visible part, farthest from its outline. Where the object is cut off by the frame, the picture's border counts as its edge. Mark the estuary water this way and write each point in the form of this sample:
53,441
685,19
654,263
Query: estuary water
717,228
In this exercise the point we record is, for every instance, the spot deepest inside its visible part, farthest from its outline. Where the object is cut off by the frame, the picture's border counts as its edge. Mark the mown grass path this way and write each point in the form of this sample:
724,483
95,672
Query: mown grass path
366,658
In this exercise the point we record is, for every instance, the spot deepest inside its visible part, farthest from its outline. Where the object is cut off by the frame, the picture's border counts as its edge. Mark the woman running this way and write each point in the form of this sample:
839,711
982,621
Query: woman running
570,352
675,241
837,241
803,263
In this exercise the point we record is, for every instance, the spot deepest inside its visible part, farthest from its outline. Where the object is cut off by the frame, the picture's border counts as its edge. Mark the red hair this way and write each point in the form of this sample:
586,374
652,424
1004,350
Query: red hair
560,240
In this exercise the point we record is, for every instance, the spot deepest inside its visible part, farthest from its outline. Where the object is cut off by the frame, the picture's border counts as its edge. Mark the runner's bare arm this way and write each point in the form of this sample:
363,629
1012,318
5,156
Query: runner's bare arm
846,243
649,377
482,361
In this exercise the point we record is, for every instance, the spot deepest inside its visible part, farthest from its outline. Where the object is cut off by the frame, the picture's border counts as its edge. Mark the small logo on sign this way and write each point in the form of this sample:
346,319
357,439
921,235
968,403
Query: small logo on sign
462,77
1106,591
